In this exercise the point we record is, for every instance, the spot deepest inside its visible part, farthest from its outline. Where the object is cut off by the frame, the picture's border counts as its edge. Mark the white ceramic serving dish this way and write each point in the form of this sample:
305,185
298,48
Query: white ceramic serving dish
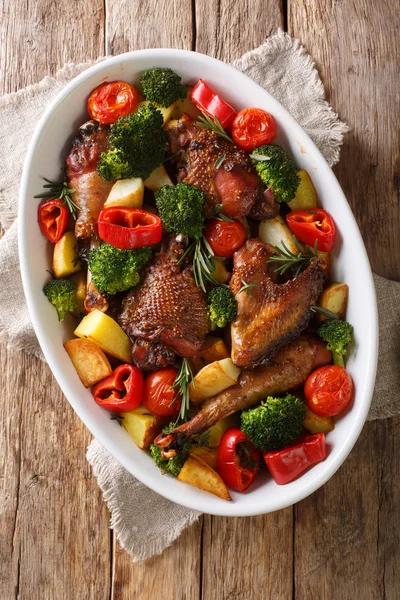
46,155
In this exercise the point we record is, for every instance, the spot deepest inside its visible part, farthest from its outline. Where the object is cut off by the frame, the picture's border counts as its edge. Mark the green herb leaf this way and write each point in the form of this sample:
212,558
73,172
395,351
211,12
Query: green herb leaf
324,311
247,287
182,381
213,124
289,259
219,161
59,190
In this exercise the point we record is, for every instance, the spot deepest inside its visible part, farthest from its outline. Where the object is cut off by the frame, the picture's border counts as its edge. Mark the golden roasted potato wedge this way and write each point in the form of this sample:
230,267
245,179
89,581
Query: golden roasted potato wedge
213,349
106,332
315,424
80,292
306,196
198,473
213,379
208,455
217,431
90,362
275,231
157,179
142,426
220,272
334,298
64,254
126,192
185,106
327,258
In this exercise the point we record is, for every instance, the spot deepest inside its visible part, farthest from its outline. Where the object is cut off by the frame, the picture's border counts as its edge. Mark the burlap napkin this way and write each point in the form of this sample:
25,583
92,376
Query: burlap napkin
145,523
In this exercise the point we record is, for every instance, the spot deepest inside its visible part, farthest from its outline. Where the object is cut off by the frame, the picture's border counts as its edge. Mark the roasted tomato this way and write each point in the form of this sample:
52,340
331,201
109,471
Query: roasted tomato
238,460
225,237
159,397
112,100
253,127
53,218
329,390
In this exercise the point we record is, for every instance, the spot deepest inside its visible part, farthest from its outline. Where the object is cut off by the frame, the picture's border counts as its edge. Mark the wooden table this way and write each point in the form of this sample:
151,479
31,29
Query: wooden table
342,542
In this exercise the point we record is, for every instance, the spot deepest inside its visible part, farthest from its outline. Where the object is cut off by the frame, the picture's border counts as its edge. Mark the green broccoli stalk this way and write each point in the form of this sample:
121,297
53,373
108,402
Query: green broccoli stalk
275,423
180,209
339,335
61,294
162,86
277,171
114,270
222,306
174,465
137,145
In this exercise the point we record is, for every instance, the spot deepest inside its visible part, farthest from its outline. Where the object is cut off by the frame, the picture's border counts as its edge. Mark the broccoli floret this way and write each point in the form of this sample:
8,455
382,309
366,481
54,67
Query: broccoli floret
137,145
162,86
180,208
278,172
61,294
274,424
174,465
114,270
339,335
222,306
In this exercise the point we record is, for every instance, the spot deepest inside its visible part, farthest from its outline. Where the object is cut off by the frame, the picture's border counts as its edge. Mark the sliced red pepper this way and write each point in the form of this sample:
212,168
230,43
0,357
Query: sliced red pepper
287,464
53,218
129,228
309,225
209,102
121,391
238,460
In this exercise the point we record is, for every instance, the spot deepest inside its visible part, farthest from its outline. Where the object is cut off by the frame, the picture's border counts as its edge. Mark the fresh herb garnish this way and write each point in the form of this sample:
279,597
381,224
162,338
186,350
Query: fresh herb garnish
219,161
117,417
82,256
324,311
259,157
289,259
247,287
183,378
59,190
212,124
203,262
203,439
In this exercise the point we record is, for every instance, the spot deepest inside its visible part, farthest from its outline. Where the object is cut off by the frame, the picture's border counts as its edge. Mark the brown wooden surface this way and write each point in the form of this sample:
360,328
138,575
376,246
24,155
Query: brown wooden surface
343,541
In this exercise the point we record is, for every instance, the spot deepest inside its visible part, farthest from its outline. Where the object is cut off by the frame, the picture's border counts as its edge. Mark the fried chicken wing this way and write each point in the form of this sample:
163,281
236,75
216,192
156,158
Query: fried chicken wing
272,314
288,370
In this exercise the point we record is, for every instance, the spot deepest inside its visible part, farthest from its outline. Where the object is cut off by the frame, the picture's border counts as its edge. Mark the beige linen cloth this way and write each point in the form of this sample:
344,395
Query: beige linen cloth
145,523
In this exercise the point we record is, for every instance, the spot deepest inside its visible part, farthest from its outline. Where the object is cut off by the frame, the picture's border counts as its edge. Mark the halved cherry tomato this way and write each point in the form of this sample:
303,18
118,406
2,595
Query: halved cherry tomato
253,127
225,237
312,224
112,100
129,228
159,397
53,218
329,390
238,460
209,102
121,391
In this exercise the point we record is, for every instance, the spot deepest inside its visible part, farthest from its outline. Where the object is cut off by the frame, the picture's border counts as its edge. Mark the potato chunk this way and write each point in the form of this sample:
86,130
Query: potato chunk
334,298
213,349
306,196
157,179
185,106
64,254
213,379
142,426
89,360
198,473
218,429
316,424
126,192
106,332
275,231
80,292
166,111
208,455
220,272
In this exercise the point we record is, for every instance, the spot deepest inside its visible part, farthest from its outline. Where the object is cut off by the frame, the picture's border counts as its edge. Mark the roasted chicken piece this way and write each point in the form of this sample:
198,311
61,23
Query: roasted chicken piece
91,190
167,310
288,370
271,314
234,183
265,206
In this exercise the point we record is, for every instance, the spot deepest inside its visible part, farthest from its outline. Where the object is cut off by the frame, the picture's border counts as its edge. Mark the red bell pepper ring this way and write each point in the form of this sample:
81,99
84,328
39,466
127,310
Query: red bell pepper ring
310,225
53,218
129,228
121,391
209,102
287,464
238,460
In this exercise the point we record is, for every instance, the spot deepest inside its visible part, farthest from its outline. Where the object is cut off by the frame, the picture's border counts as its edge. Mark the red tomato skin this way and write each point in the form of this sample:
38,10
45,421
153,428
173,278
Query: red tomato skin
233,474
224,237
253,127
112,100
53,218
329,390
158,393
120,392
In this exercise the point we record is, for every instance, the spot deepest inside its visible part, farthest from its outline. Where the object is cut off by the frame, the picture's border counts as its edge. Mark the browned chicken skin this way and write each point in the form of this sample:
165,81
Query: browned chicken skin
91,190
234,184
288,370
274,313
167,310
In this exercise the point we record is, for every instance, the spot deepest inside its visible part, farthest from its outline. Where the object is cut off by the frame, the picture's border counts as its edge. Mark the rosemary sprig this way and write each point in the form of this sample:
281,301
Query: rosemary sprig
219,161
289,259
203,439
324,311
247,287
203,265
213,124
81,256
183,378
59,189
259,157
